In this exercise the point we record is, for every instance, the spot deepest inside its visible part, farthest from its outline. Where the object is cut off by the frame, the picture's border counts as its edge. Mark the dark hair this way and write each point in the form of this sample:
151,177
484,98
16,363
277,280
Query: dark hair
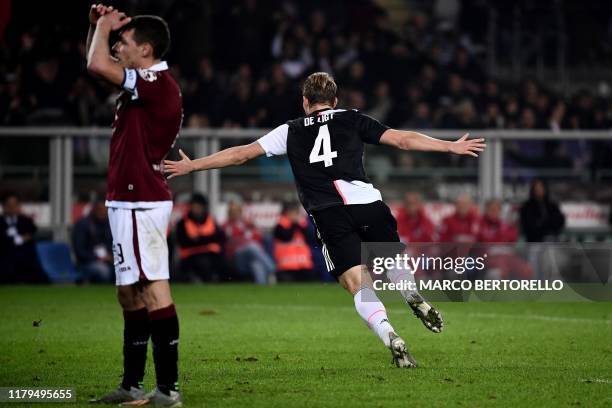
8,195
532,189
198,198
290,206
153,30
492,201
320,88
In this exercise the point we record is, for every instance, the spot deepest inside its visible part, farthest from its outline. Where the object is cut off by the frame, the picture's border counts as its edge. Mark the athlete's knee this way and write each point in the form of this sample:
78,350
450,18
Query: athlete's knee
129,298
156,295
351,280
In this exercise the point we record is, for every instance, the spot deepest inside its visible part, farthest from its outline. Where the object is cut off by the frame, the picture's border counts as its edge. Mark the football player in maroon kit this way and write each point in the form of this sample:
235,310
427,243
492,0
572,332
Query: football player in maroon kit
147,120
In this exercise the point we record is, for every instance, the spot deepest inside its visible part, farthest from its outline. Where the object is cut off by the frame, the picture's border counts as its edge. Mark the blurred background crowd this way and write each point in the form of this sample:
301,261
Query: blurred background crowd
538,65
432,70
205,250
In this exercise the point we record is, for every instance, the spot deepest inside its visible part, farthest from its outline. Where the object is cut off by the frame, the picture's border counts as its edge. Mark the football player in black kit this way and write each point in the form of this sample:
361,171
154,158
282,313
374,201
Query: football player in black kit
325,150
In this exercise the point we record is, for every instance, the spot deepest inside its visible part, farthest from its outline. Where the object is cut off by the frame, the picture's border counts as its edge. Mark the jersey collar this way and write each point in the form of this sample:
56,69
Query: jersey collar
160,66
325,110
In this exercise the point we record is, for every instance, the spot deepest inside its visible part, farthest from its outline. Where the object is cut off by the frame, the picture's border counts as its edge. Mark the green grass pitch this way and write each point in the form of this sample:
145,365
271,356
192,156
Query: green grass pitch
304,345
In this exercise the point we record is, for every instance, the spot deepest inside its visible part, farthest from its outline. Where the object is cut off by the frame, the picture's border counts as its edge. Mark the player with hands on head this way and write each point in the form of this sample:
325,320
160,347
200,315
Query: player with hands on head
148,117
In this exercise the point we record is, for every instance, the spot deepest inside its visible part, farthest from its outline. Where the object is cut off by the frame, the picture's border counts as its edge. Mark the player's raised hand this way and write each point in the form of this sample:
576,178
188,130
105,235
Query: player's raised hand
469,147
115,19
98,10
178,168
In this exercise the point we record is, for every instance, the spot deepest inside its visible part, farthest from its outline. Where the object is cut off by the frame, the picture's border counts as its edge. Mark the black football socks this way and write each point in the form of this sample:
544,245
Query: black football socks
135,340
165,338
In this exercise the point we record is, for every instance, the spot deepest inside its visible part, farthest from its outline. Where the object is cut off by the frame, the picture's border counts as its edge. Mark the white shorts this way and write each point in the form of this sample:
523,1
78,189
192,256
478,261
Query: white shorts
140,247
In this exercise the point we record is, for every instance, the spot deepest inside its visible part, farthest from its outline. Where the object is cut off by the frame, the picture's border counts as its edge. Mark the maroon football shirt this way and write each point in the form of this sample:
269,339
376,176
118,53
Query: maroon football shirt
147,121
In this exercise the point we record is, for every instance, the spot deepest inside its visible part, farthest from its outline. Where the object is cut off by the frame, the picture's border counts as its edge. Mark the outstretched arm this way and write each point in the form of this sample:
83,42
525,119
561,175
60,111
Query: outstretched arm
273,143
407,140
232,156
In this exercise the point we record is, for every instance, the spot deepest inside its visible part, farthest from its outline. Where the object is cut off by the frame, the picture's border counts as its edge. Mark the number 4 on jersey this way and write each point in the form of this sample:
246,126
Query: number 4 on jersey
326,157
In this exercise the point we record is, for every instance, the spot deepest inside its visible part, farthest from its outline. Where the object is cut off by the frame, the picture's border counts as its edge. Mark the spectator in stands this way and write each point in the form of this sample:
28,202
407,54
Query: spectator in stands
204,95
421,118
557,117
415,227
456,89
323,58
543,111
541,218
529,93
512,113
493,228
462,225
200,241
357,78
245,247
463,65
413,224
281,91
242,110
291,245
490,93
14,106
528,119
502,261
17,251
467,116
382,102
583,115
295,56
492,117
93,245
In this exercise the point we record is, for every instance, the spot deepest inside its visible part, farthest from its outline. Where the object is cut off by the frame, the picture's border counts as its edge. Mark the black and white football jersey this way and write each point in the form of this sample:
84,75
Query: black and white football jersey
325,150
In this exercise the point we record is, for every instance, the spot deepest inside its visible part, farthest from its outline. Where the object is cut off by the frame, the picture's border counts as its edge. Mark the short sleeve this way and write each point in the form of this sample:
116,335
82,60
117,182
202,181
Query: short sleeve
141,83
129,80
370,130
274,143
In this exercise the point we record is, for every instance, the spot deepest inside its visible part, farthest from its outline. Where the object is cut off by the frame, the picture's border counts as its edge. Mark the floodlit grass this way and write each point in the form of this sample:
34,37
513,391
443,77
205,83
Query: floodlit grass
304,345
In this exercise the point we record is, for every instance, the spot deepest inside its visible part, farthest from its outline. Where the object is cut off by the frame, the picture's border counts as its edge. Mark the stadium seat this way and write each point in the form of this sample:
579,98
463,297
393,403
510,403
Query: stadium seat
55,260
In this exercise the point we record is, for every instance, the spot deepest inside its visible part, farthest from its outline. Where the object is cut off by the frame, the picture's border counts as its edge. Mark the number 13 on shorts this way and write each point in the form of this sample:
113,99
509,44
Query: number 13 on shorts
327,155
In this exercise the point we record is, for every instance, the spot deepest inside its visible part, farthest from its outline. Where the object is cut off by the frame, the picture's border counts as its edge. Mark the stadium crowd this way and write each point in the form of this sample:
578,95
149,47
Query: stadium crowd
203,250
246,72
252,57
430,75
